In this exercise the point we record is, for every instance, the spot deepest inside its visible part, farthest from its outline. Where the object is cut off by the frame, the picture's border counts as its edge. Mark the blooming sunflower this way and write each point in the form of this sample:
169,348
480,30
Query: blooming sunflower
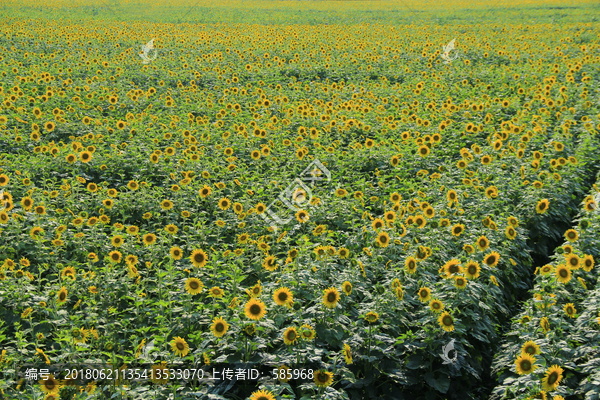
472,269
255,309
587,263
283,297
424,294
411,265
546,269
199,258
542,206
545,324
216,292
219,327
347,288
193,286
302,216
563,273
62,295
446,322
383,239
570,310
573,261
457,230
262,395
50,385
347,351
452,268
436,306
331,297
572,235
371,317
180,346
525,364
270,263
530,348
460,282
491,259
483,243
307,332
323,378
552,378
290,336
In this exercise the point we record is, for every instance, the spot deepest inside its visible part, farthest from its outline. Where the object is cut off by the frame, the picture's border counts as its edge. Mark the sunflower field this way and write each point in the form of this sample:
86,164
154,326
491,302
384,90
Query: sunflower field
398,198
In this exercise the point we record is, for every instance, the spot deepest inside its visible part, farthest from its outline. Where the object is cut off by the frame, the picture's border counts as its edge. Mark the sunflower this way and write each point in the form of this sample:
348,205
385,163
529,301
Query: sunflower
331,297
219,327
424,294
530,348
451,196
50,385
216,292
307,332
460,282
542,206
545,324
446,322
371,317
347,288
436,306
573,261
510,233
552,379
452,267
323,378
180,346
383,239
176,253
262,395
255,309
199,258
588,263
570,310
483,243
62,295
204,191
525,364
283,297
149,239
472,269
377,224
343,253
255,290
457,230
491,259
224,203
571,235
302,216
193,286
290,336
270,263
423,151
546,269
563,273
411,265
